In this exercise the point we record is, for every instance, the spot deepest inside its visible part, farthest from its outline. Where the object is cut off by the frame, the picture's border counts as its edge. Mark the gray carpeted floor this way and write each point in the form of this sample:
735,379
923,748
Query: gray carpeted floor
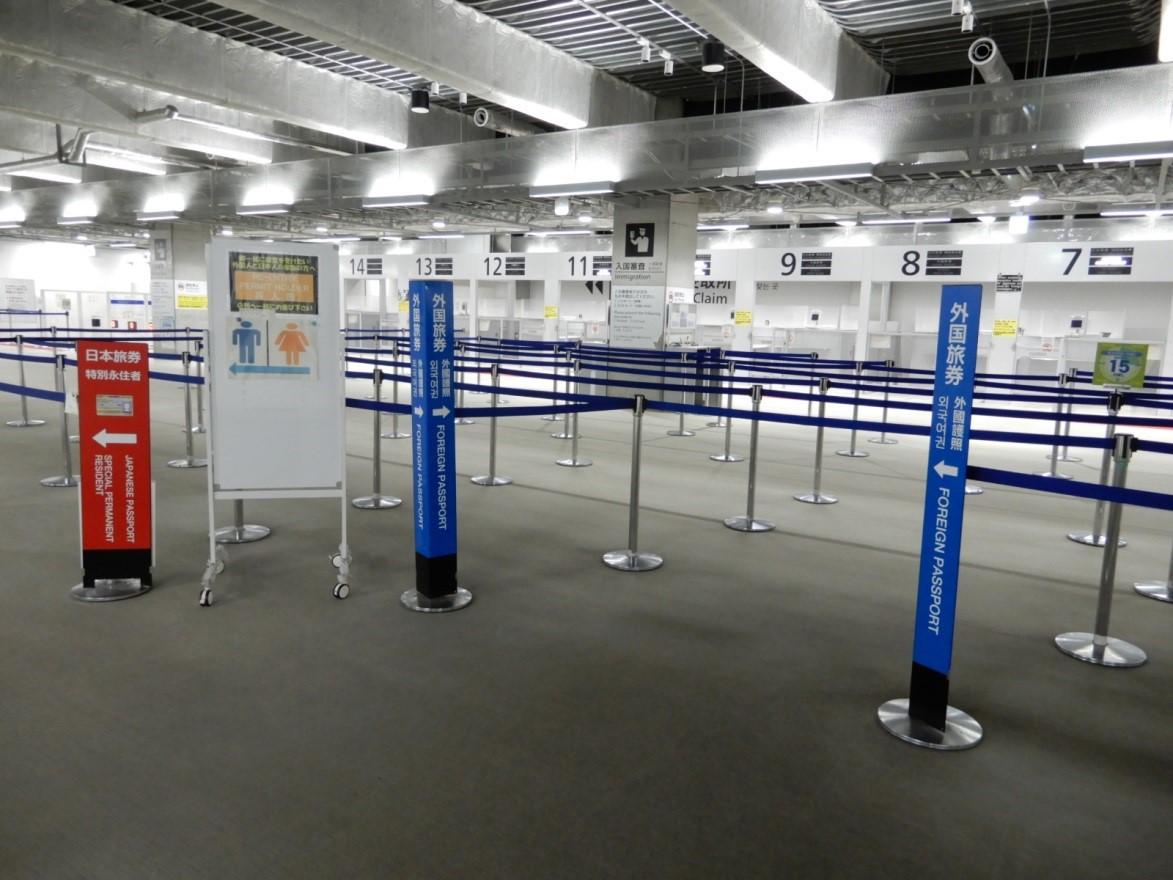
715,718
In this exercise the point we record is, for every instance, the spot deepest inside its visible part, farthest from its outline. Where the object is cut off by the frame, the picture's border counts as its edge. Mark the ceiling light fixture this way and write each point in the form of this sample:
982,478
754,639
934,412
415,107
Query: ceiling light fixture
721,227
905,220
438,223
1129,152
586,188
443,235
767,176
1019,224
1137,212
257,210
584,219
420,101
1026,198
774,208
406,201
669,67
712,56
156,216
561,206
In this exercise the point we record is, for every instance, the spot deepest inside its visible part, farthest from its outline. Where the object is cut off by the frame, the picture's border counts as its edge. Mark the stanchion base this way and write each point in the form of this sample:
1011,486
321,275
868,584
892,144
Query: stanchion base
961,730
883,441
394,435
188,463
745,524
376,502
196,429
486,480
727,458
816,498
574,462
1091,540
562,435
465,422
625,560
552,417
681,433
847,453
59,482
716,424
1114,652
1055,475
1069,459
971,489
25,423
413,601
75,438
1162,591
109,590
245,534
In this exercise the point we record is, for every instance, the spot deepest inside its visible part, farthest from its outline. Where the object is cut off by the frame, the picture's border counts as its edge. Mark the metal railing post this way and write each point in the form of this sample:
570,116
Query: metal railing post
816,496
574,460
631,559
24,421
189,460
851,451
749,523
1096,537
67,479
491,478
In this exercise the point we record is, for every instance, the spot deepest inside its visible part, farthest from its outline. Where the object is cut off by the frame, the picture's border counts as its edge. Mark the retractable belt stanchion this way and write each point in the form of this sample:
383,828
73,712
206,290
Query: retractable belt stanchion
728,456
24,421
574,460
377,500
241,532
1096,538
394,433
198,427
1053,470
749,523
553,417
491,478
189,460
884,439
1162,591
569,431
461,378
720,421
816,496
1098,647
851,451
632,559
67,479
680,430
1066,455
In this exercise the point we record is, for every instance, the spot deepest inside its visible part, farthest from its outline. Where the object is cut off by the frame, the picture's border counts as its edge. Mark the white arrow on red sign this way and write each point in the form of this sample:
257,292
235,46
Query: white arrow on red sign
104,438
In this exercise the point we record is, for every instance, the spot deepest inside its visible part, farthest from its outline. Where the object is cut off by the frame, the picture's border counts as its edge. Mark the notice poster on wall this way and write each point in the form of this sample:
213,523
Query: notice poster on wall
18,293
163,303
273,282
191,294
273,346
637,316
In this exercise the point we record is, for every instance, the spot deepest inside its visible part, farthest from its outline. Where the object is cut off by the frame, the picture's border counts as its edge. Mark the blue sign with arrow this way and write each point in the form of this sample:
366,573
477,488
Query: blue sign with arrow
433,406
957,345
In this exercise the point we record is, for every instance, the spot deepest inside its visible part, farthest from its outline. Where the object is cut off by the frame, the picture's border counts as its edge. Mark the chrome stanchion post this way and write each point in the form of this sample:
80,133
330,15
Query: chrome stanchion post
569,431
1066,455
1098,647
198,428
719,422
574,460
24,421
1053,470
631,559
680,431
851,451
189,460
728,456
377,500
884,439
394,433
553,417
816,496
67,479
460,372
749,523
241,532
1162,591
491,478
1096,537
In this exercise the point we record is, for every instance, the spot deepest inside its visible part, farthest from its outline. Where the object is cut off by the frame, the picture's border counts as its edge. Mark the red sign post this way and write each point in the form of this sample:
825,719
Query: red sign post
113,385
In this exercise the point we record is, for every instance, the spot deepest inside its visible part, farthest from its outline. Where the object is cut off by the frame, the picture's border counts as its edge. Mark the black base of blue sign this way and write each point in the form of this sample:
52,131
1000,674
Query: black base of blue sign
928,696
102,565
435,577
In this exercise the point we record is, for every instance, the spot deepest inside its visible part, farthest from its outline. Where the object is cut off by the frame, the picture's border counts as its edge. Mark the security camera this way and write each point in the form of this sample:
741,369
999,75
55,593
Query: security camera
481,117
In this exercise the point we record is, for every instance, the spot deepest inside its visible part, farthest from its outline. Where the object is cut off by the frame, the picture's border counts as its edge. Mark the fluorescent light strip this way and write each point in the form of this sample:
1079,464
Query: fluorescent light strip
156,216
1137,212
330,240
10,224
764,177
1129,152
255,210
588,188
124,244
721,227
443,235
546,233
74,221
903,221
396,201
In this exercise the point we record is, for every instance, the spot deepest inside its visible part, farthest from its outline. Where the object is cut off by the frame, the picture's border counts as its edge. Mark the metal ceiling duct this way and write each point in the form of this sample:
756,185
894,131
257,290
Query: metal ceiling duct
483,117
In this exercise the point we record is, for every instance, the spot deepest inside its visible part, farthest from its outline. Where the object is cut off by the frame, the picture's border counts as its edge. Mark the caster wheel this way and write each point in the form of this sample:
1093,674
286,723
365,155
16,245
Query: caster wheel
336,560
219,566
341,591
206,598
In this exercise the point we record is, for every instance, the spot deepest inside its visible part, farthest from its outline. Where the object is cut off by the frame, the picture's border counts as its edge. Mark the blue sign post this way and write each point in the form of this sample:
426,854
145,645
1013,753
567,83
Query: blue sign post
433,423
926,718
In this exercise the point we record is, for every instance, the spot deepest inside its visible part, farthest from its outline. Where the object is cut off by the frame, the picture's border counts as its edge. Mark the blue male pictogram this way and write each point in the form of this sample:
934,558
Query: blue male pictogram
246,337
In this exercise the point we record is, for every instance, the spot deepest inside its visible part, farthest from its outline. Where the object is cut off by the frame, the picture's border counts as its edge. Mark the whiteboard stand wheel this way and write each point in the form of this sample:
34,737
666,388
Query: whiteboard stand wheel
206,598
341,591
219,566
336,560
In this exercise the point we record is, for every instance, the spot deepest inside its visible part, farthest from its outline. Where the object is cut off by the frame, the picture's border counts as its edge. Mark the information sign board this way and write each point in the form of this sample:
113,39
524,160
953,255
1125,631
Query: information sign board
1121,364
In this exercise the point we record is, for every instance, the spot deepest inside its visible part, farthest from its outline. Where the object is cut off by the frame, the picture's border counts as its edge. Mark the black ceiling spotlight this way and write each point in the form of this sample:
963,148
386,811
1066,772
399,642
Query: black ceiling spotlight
420,101
712,56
